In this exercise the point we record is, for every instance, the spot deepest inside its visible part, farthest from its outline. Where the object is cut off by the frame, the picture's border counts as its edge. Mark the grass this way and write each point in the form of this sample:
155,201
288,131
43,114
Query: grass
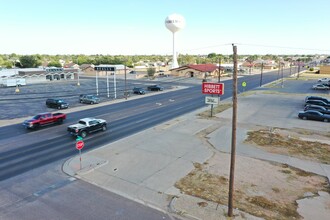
216,109
277,143
214,188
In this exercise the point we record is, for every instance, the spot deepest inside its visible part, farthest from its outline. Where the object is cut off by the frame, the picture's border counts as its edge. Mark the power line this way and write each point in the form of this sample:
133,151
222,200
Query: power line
284,47
257,45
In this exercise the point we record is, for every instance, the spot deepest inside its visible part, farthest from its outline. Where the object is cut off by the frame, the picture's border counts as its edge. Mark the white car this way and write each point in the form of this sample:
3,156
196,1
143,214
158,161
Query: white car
320,87
324,80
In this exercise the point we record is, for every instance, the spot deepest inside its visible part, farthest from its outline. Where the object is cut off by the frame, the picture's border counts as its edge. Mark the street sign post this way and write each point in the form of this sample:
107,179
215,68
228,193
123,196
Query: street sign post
243,85
79,145
212,89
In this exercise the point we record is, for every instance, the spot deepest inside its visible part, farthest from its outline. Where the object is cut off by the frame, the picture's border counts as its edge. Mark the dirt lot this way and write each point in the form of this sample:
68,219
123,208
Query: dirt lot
264,189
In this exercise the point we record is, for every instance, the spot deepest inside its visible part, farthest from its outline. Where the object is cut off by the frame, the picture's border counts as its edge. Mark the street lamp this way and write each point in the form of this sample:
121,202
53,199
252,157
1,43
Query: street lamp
78,83
125,81
282,75
262,68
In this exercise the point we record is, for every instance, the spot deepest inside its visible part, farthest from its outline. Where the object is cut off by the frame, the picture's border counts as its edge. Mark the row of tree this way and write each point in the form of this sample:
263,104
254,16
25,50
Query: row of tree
30,61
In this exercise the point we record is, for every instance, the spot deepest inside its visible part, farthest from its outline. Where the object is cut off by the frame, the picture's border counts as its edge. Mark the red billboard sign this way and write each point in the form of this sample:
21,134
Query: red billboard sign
213,88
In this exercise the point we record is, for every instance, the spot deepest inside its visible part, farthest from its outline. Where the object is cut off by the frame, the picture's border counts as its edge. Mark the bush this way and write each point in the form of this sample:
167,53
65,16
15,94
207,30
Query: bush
311,69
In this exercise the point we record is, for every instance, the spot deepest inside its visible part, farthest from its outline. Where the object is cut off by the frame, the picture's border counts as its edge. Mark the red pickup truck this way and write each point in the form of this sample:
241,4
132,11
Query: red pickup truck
43,119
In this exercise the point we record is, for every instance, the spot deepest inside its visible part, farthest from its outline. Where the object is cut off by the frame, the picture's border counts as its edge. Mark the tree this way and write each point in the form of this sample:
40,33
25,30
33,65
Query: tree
251,60
54,63
29,61
151,72
211,55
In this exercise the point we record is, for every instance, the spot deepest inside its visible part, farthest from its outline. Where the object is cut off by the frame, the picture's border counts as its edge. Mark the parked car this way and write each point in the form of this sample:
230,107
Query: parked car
324,80
314,115
132,72
317,102
320,87
155,88
317,108
89,99
56,103
317,98
43,119
86,126
140,91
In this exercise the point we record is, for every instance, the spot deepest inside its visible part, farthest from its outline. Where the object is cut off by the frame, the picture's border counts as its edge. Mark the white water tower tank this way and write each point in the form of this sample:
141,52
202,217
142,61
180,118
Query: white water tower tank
174,23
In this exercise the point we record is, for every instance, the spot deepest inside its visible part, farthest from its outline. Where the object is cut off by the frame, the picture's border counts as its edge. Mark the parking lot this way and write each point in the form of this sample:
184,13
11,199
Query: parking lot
31,98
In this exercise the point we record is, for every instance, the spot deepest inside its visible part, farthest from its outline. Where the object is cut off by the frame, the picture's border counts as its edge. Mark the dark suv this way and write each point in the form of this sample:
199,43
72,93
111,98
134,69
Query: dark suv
155,88
317,98
56,103
140,91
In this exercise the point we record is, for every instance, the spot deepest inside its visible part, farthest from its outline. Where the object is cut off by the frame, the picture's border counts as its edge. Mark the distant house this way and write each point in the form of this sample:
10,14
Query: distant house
71,65
87,69
197,70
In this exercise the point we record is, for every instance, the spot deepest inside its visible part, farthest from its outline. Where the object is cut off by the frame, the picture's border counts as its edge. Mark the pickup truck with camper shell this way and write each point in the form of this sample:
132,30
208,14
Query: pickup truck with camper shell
44,119
86,126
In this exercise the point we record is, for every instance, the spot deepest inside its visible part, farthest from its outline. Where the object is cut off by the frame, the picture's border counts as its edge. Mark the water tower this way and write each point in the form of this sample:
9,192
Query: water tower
174,23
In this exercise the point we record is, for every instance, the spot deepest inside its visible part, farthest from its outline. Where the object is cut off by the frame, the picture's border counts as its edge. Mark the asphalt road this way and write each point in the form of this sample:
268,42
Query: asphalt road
32,160
32,149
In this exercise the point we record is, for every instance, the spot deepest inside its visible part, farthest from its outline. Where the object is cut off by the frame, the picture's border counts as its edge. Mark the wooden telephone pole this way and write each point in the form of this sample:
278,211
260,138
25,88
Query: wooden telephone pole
233,137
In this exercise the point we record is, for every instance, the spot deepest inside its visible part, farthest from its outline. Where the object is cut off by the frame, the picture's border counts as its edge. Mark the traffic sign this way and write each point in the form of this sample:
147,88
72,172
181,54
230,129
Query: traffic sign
211,100
80,145
212,88
79,138
244,84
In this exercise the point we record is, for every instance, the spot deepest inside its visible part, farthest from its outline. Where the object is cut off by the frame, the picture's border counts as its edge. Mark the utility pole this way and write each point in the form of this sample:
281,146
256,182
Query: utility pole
78,83
125,83
219,69
233,137
282,76
262,69
278,72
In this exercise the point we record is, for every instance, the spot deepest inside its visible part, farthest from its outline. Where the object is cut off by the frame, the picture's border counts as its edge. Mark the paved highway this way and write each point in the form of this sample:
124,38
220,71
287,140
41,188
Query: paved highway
32,149
32,184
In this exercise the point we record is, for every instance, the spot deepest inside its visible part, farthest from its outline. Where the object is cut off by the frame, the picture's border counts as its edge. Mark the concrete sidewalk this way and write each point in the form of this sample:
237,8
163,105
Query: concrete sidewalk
144,167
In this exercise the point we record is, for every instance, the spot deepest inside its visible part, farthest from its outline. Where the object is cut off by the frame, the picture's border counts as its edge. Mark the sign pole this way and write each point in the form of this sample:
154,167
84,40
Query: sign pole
80,158
79,145
212,109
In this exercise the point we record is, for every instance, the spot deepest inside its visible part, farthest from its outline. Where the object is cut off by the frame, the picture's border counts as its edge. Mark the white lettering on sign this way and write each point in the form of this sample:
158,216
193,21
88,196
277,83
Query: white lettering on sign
212,88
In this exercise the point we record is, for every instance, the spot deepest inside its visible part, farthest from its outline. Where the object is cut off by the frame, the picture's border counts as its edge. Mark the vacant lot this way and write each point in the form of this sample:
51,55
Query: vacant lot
267,120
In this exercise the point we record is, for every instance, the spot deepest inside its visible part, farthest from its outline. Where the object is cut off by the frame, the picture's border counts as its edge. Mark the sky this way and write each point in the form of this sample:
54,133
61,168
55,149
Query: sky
137,27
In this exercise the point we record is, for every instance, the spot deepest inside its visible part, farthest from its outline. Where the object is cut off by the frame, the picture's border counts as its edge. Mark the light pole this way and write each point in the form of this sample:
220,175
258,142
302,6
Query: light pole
78,83
114,83
262,68
108,91
97,82
282,75
125,82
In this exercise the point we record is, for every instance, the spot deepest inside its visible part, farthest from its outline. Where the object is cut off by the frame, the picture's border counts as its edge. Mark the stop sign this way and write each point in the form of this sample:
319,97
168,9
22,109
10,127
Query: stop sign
80,145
